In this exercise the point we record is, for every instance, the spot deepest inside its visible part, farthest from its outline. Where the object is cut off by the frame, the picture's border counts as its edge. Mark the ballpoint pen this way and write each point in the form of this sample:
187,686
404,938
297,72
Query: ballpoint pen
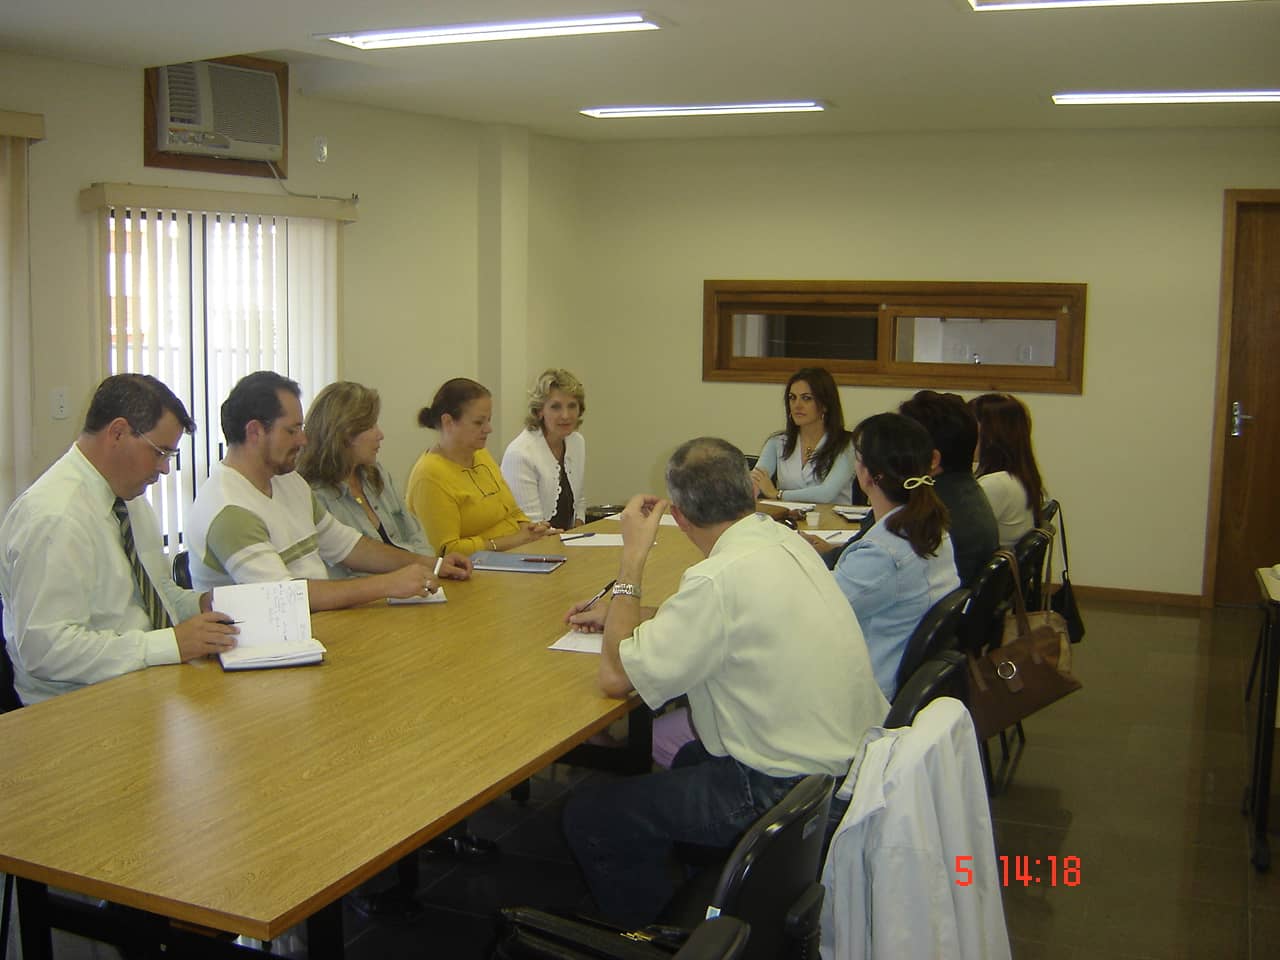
576,536
543,559
599,596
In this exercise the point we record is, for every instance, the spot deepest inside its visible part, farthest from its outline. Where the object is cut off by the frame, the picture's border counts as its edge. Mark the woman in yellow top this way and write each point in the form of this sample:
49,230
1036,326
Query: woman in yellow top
456,488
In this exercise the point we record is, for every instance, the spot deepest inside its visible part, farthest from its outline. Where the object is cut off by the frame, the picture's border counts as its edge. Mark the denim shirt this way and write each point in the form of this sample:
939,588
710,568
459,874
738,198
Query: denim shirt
890,590
402,526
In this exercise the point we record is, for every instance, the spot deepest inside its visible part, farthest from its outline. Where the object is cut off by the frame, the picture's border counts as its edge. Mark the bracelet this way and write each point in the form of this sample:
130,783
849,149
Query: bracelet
626,590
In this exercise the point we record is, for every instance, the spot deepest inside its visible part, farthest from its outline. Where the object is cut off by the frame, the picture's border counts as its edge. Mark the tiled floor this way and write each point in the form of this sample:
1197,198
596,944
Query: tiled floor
1140,775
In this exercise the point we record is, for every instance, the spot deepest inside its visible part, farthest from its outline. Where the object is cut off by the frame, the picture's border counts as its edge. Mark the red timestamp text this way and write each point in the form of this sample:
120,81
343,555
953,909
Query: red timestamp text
1050,871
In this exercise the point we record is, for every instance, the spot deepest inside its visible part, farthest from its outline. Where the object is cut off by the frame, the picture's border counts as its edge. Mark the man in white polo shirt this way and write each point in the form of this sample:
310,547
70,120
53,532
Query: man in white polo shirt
770,654
255,519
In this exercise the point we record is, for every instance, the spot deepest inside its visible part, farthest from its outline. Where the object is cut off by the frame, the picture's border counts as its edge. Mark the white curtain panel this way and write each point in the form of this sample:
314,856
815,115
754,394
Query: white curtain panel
15,323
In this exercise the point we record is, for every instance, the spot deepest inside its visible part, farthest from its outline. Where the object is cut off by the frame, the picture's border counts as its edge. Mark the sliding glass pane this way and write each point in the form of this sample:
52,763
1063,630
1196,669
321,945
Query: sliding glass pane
976,340
807,336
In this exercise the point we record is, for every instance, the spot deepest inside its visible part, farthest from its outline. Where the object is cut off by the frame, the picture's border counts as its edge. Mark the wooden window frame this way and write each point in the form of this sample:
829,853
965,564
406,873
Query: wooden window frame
888,301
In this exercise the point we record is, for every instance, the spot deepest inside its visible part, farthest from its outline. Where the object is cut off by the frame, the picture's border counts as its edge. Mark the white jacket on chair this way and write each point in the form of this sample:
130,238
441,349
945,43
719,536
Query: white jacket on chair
919,801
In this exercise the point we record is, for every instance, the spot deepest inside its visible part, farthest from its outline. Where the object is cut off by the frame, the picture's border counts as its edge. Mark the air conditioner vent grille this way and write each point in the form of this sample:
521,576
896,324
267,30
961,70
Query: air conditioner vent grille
184,94
246,104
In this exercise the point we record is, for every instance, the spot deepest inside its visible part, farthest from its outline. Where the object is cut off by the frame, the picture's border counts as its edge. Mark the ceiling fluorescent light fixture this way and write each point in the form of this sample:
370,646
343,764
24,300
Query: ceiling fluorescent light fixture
479,32
987,6
1172,96
706,109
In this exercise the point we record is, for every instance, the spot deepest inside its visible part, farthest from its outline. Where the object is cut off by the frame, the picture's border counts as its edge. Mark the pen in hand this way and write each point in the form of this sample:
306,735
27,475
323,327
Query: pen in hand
599,596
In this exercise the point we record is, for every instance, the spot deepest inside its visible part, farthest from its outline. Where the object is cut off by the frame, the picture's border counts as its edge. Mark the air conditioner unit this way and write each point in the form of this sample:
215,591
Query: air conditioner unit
217,110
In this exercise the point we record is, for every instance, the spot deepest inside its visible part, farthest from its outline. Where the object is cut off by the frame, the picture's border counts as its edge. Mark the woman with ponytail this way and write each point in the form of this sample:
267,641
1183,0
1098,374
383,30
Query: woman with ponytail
903,564
455,489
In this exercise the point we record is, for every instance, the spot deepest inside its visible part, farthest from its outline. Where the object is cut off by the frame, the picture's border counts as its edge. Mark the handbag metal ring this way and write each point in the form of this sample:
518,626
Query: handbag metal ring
1006,665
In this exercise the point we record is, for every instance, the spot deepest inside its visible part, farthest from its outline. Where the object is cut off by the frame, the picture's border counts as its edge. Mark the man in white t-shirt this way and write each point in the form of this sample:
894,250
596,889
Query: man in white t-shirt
255,519
770,655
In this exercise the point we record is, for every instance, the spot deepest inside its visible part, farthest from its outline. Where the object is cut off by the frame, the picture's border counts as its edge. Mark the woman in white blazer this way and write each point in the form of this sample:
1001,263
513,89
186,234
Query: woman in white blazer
546,465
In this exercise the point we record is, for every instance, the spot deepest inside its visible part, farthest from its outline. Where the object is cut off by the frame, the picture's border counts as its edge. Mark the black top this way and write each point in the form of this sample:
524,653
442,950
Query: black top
974,533
563,518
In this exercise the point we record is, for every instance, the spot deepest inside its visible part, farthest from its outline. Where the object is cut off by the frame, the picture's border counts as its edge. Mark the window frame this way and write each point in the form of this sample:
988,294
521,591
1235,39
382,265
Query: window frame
888,301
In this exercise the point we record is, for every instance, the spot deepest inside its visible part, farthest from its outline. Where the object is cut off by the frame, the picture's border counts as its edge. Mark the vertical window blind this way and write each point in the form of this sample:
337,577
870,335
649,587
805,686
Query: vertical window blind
200,299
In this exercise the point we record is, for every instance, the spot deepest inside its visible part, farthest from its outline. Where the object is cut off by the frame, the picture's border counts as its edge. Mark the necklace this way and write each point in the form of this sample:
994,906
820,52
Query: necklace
808,452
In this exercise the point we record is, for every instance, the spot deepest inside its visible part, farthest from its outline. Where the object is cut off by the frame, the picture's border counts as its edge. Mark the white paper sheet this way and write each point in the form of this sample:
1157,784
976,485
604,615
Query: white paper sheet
789,505
437,597
595,540
577,642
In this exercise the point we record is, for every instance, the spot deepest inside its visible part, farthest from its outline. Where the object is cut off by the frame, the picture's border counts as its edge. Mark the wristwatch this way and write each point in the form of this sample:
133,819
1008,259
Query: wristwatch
626,590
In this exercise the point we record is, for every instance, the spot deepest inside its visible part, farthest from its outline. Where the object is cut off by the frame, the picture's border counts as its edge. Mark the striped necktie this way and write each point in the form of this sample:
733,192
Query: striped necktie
146,589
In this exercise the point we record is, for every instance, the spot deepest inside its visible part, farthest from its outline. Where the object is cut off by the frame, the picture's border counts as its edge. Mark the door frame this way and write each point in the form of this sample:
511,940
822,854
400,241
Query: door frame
1232,199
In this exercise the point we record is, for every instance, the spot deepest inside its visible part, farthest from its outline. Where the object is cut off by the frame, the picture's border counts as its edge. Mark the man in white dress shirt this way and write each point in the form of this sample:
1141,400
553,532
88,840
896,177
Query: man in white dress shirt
770,655
78,609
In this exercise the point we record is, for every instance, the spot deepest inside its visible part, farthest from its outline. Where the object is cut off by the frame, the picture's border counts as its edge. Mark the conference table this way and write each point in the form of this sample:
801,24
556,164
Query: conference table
249,802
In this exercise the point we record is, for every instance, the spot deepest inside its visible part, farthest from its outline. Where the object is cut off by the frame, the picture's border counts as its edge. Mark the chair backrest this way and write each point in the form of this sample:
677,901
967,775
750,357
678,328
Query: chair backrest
8,693
1031,551
989,595
935,632
182,569
773,865
1049,513
724,938
941,676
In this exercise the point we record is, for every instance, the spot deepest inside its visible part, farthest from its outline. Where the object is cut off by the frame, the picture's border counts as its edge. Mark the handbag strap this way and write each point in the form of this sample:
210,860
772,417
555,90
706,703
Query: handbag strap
1062,525
1019,602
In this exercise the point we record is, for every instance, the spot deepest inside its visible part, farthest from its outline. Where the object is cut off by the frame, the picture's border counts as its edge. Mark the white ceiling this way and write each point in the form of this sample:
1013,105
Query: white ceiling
883,65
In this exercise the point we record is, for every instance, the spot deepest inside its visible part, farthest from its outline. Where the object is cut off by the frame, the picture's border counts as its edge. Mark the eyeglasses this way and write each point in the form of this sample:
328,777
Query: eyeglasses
160,451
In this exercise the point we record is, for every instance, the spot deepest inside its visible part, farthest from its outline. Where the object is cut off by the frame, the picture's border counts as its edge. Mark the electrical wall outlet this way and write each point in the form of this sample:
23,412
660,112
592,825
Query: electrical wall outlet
58,403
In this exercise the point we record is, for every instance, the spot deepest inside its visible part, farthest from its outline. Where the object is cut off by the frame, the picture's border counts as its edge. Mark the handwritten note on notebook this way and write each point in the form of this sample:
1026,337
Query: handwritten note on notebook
275,625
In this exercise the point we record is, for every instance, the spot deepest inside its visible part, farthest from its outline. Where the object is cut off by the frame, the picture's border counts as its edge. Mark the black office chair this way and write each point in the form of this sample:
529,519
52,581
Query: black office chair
182,569
771,878
990,594
770,881
1031,551
944,675
1049,513
935,632
981,627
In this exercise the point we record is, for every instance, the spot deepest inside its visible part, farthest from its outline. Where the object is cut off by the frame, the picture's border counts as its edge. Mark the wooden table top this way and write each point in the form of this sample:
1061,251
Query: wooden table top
248,801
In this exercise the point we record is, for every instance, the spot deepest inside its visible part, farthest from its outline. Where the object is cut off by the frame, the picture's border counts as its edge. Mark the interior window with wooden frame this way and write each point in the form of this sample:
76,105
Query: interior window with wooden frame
1017,337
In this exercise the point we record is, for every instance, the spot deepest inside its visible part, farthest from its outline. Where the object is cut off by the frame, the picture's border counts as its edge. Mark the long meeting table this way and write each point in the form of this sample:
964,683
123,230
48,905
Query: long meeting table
249,802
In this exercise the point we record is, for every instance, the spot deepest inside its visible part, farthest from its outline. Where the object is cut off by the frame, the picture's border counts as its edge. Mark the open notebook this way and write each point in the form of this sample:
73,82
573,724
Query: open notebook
275,625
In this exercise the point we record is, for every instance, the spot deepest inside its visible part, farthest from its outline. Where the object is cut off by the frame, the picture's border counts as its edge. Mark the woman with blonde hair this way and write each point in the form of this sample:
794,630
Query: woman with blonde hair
456,488
340,461
545,465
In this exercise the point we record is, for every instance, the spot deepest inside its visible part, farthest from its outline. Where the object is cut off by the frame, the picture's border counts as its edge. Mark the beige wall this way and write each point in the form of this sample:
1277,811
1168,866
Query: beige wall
1135,215
495,253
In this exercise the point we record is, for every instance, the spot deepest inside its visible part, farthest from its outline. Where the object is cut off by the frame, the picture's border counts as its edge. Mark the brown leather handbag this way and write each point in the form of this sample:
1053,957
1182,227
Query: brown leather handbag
1028,671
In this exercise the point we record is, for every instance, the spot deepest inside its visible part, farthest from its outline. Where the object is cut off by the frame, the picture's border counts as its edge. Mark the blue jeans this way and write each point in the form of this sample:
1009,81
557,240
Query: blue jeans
622,832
